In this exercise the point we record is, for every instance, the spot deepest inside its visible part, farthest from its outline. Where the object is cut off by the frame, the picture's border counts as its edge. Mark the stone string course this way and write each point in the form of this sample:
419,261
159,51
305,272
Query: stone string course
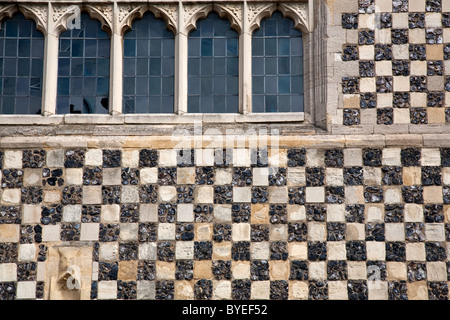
322,223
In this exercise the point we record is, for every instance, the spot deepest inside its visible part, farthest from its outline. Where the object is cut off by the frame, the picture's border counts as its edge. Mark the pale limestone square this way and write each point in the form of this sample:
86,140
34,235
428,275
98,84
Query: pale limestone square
318,270
52,196
260,177
392,195
296,176
148,175
367,84
240,232
317,231
166,231
223,176
204,157
376,250
315,157
383,68
50,233
9,232
278,195
108,251
434,231
334,176
296,212
167,193
433,19
147,251
89,231
418,68
337,290
372,176
260,290
366,52
278,232
355,231
352,157
314,194
110,213
391,157
261,251
26,290
241,157
204,194
336,213
418,99
436,271
55,158
417,36
93,157
184,250
374,213
130,194
146,290
71,213
222,212
336,250
185,212
400,52
130,158
8,272
384,100
357,270
107,290
242,194
31,177
112,176
31,213
415,251
431,157
378,290
129,231
400,20
167,158
27,252
186,175
446,175
240,269
222,290
354,194
74,176
93,195
413,213
394,231
12,160
11,196
401,84
401,115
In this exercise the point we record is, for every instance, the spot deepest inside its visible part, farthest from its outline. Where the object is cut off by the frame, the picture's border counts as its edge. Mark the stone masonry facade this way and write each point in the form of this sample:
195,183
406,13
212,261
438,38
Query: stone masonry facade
348,201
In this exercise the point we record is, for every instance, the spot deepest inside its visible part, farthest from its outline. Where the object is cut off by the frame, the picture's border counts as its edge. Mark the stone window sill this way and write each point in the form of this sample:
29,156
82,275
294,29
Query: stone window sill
159,119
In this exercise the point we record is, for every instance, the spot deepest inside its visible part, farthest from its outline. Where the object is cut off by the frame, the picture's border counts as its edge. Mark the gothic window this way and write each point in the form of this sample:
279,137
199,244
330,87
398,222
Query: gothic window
148,67
83,68
213,67
21,66
277,66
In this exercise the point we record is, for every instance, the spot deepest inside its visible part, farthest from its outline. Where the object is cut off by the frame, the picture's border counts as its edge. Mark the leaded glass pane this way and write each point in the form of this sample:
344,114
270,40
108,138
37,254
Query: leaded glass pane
277,50
83,73
21,66
148,78
213,67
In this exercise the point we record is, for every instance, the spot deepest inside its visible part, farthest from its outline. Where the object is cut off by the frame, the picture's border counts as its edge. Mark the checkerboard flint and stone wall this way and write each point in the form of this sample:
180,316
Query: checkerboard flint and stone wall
321,224
403,53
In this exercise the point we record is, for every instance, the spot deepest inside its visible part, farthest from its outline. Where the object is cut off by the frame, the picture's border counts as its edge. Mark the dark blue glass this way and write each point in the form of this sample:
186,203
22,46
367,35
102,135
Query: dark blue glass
213,67
21,66
149,63
277,66
85,52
